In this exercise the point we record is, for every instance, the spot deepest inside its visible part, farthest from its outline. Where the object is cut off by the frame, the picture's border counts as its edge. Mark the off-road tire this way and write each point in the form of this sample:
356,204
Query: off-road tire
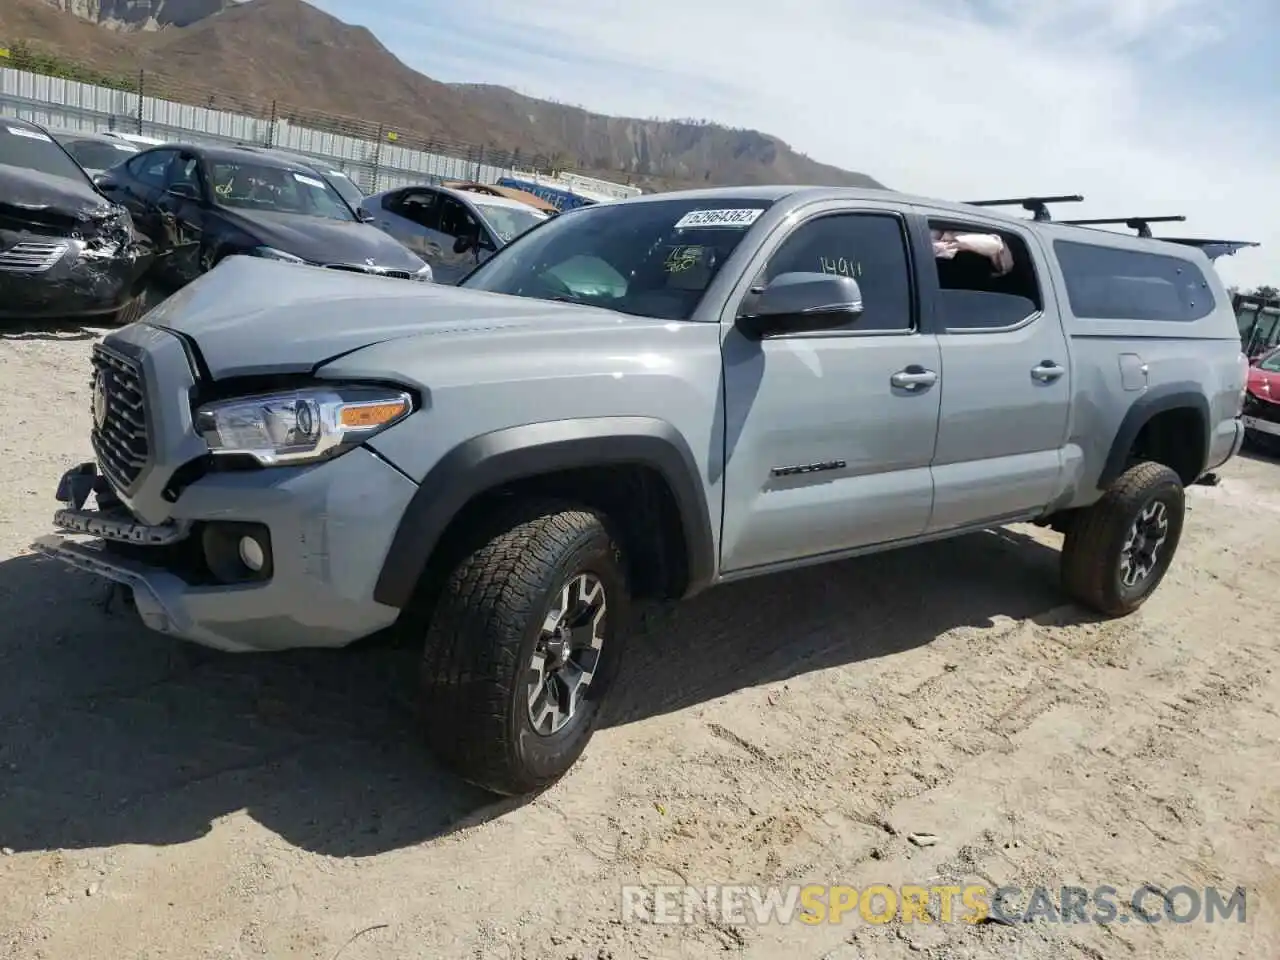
1091,554
485,624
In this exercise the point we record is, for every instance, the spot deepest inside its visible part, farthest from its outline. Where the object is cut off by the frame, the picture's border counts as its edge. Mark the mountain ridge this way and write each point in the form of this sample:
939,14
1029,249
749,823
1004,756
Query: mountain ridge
146,15
291,54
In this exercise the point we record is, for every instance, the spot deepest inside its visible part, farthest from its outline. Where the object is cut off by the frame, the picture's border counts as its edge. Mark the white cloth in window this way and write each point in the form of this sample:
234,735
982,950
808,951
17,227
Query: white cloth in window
946,244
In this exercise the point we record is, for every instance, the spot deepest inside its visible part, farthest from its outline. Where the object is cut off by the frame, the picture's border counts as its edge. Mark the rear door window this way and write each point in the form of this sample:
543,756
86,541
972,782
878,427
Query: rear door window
152,167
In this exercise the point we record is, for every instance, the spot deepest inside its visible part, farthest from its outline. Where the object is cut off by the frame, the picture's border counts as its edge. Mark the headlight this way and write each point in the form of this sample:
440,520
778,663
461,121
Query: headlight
271,253
300,426
425,274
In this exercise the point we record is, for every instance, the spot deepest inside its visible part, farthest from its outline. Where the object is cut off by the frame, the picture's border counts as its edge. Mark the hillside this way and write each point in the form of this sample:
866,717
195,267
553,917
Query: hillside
287,56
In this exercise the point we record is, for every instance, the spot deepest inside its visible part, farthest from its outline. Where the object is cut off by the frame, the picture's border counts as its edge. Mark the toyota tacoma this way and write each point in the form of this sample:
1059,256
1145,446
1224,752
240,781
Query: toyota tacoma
635,402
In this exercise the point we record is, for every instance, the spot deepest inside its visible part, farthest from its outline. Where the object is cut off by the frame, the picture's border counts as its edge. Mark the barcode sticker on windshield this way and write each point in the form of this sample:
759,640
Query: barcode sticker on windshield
309,181
740,218
29,134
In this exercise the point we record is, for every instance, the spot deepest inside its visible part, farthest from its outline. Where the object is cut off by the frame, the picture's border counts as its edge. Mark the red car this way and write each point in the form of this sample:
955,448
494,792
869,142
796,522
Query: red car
1262,401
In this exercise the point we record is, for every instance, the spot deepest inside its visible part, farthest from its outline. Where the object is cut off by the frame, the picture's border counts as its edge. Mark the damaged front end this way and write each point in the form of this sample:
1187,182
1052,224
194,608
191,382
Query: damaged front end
65,250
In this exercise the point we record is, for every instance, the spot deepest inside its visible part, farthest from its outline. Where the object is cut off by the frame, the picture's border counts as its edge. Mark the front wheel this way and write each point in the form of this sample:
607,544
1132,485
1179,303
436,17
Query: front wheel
145,297
522,646
1119,549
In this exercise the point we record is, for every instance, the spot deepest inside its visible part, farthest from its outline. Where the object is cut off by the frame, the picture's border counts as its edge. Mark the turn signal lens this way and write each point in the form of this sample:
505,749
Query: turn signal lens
362,416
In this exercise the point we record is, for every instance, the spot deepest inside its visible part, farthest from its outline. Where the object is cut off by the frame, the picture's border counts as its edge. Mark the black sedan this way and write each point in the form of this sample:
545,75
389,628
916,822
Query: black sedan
66,251
200,204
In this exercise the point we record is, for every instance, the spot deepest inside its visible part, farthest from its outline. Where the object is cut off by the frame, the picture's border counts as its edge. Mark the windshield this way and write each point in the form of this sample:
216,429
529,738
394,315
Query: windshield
651,258
96,155
509,222
267,187
342,184
25,147
1271,362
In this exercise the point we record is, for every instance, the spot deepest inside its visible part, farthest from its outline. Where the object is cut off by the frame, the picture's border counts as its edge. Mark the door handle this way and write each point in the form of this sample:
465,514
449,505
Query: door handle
914,377
1047,371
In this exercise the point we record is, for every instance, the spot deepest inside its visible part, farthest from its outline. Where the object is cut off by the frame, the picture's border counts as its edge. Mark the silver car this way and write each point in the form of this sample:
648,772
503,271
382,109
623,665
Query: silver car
453,230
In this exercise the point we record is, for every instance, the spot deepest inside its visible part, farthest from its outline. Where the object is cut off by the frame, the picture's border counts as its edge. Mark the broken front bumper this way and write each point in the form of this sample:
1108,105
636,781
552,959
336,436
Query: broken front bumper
326,530
55,278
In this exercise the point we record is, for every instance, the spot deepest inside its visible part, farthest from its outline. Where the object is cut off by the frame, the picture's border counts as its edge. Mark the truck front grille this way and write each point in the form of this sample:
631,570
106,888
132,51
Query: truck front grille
32,256
119,436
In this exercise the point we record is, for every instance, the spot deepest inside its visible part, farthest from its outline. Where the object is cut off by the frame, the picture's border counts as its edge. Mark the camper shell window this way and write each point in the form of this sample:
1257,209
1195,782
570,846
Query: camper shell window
1110,283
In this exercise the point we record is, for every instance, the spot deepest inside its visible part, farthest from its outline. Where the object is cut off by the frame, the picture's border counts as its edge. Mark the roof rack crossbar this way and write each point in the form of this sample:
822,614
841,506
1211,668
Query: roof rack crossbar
1141,224
1213,249
1037,206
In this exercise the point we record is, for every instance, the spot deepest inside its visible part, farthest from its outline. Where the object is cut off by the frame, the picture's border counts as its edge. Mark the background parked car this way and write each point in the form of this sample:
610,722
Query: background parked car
343,184
95,152
1262,402
453,230
135,138
200,204
66,251
511,193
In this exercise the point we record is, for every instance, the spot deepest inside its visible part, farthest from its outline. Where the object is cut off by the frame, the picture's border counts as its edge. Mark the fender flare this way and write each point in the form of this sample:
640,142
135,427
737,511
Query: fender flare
516,453
1157,400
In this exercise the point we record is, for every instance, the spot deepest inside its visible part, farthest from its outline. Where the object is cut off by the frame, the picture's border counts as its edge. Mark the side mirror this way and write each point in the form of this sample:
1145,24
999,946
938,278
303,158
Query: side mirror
363,215
185,191
463,243
800,303
104,181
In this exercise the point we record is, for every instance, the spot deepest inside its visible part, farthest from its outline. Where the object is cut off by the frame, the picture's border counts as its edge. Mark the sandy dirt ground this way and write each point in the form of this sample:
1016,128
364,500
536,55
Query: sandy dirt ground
162,801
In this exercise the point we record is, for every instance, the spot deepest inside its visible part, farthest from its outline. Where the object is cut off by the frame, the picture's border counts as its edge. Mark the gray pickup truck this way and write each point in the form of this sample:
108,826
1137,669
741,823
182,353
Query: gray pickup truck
634,402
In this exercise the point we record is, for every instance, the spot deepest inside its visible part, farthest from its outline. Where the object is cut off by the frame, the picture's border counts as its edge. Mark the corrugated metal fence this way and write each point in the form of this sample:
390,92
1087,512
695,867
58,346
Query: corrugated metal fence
373,164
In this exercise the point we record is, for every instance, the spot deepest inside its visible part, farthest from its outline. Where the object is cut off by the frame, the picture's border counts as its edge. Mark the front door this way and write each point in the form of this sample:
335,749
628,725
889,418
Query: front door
830,435
412,216
1006,403
181,208
456,220
138,186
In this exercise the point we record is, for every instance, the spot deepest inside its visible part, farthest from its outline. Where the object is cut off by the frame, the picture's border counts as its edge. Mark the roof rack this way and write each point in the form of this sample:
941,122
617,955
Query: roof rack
1037,206
1141,224
1213,249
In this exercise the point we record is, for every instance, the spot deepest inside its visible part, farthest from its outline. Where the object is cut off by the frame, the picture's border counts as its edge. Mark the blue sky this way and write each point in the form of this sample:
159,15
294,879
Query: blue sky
1146,107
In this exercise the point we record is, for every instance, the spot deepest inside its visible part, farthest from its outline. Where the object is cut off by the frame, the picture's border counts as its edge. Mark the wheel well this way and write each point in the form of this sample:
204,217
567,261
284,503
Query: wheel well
635,501
1174,437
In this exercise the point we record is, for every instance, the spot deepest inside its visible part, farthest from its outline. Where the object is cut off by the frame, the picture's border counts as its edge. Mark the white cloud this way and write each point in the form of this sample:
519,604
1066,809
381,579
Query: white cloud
954,99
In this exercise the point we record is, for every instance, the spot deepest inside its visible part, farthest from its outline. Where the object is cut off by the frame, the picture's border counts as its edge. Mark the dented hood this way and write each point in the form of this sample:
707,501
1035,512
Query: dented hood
249,316
24,191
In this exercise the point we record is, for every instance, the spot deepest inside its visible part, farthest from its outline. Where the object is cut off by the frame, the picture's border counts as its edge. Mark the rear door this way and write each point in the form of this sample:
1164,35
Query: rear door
1006,399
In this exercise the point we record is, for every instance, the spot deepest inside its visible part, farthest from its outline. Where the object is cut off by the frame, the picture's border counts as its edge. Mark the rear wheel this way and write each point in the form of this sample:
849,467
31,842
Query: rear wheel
1119,549
522,646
